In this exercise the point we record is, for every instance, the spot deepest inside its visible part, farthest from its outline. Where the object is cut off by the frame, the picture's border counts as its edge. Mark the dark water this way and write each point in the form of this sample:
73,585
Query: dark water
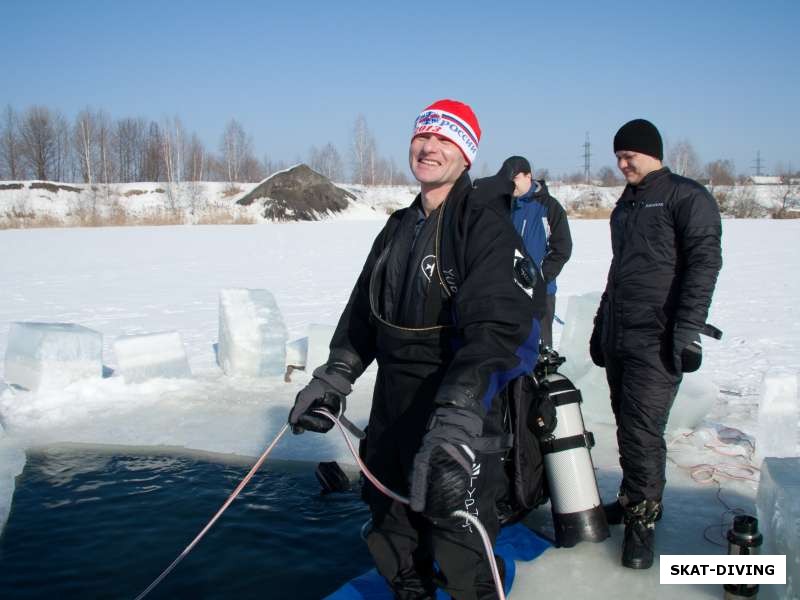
85,524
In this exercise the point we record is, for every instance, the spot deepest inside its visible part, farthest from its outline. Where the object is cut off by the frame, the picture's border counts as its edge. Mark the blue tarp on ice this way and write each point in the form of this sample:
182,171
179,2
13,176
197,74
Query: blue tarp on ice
516,542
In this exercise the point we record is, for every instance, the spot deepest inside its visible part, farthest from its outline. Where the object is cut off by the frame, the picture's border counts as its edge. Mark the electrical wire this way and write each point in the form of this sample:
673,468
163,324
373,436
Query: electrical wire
711,473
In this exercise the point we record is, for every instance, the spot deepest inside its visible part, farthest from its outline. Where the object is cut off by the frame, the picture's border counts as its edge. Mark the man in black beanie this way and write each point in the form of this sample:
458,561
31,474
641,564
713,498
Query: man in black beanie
542,224
665,238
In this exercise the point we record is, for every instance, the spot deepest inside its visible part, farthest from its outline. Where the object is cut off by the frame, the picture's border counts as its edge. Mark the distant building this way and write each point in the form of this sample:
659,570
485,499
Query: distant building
765,180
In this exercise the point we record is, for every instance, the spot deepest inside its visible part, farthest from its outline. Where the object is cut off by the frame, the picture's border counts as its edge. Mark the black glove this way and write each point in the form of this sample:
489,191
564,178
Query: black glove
687,352
327,389
443,464
596,341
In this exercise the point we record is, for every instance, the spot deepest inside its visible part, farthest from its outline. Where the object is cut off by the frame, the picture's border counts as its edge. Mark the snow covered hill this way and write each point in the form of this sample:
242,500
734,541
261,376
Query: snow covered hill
27,204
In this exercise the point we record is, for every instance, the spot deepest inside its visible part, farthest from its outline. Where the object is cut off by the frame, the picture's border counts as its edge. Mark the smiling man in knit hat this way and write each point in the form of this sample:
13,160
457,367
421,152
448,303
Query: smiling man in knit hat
665,237
449,308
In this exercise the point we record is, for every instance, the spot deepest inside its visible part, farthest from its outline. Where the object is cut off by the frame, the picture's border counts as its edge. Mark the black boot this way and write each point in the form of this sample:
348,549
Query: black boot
615,511
640,532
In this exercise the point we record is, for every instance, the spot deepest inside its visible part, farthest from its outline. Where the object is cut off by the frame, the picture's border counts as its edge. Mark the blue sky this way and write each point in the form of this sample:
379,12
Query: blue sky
723,75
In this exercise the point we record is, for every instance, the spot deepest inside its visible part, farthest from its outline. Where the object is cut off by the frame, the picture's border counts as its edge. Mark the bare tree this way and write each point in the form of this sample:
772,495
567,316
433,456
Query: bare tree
10,161
742,203
172,142
194,170
62,164
85,135
252,170
92,141
575,178
387,173
373,161
399,176
720,172
362,151
326,161
39,139
543,174
172,137
683,160
272,166
104,147
236,149
127,143
608,177
786,195
194,164
152,163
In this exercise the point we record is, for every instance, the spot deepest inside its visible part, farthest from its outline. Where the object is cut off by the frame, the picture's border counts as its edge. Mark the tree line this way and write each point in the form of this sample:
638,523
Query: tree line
41,143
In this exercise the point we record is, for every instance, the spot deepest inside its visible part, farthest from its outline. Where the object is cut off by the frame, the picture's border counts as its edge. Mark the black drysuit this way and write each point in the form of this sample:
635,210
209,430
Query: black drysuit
438,306
665,236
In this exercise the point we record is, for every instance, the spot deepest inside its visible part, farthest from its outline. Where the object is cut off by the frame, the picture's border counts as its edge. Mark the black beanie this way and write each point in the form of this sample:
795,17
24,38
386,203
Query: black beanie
513,166
639,135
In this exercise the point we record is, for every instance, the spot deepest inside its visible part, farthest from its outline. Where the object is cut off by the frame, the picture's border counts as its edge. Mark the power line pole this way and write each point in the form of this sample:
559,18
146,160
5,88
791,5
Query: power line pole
587,154
757,165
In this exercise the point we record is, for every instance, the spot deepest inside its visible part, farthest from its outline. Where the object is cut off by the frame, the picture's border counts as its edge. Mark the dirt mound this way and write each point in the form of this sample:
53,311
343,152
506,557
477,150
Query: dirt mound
298,194
52,187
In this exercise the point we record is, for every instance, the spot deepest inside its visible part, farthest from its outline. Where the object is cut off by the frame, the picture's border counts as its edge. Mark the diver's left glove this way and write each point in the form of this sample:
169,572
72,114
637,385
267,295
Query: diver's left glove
444,462
327,389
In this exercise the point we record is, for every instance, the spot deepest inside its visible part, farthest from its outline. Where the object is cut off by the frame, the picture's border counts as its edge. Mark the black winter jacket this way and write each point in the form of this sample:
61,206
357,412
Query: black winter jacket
665,236
494,319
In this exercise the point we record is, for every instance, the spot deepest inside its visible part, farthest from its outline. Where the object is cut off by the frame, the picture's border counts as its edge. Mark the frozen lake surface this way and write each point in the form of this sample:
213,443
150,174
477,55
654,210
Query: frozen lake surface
125,281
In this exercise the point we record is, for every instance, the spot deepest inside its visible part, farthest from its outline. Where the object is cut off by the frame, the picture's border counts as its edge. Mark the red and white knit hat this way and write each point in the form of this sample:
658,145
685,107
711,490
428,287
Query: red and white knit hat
452,120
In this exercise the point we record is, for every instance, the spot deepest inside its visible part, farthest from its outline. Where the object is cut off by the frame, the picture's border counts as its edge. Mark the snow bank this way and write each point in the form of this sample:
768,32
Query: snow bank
25,204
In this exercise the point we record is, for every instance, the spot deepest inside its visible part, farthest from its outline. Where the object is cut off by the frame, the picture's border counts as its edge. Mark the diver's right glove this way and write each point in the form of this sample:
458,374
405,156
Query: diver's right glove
444,462
327,389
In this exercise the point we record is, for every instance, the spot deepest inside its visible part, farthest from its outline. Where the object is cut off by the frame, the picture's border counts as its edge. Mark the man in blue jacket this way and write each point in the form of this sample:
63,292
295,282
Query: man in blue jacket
542,223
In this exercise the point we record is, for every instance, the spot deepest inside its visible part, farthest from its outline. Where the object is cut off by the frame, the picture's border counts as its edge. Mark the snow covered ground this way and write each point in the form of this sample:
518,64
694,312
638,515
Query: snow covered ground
123,281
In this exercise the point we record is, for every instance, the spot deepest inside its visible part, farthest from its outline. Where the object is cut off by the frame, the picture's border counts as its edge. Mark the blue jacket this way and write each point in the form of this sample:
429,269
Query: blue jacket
542,223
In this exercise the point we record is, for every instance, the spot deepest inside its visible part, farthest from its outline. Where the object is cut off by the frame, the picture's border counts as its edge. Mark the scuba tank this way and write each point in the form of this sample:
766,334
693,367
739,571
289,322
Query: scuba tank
574,498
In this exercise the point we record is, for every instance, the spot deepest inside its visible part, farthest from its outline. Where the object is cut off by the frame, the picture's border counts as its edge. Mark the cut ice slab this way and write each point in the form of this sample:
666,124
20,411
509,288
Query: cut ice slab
319,341
778,414
143,357
296,352
778,505
311,351
695,398
578,325
52,355
252,333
